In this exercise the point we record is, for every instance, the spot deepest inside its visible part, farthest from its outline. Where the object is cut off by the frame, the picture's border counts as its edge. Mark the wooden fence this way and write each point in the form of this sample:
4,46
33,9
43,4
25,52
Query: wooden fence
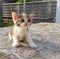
42,10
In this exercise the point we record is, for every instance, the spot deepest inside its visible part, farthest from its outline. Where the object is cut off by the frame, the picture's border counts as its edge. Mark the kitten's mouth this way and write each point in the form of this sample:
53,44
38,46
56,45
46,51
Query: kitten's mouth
26,24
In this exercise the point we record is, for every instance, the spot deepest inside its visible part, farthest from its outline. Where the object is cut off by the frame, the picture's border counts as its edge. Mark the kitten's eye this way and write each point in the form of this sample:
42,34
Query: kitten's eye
22,20
29,20
18,24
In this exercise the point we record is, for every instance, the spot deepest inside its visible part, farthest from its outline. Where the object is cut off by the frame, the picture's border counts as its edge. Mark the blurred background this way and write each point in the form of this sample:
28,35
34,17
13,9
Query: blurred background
44,10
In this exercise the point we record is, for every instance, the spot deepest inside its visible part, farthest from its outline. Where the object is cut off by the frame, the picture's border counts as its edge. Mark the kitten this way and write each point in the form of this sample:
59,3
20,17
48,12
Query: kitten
22,23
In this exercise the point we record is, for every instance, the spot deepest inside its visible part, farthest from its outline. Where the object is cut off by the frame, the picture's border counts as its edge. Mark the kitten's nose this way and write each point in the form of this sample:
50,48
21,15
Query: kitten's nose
26,24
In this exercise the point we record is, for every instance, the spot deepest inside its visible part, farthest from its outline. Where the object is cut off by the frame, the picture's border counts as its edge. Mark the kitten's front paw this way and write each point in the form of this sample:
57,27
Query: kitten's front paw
15,45
33,46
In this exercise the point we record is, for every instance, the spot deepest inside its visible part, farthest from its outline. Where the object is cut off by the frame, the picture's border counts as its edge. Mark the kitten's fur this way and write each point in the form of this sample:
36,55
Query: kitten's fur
22,23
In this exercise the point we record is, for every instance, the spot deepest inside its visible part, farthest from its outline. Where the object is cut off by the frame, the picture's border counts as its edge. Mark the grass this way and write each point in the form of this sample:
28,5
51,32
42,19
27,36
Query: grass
6,24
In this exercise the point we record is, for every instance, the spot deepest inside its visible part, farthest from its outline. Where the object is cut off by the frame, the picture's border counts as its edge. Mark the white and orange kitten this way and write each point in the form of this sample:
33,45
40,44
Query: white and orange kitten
20,30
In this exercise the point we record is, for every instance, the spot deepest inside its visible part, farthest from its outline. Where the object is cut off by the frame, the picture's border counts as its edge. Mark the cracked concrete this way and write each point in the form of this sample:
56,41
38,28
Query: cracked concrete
45,35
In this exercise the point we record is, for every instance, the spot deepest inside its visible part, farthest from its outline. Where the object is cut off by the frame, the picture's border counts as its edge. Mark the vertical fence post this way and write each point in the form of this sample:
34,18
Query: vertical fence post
1,20
49,9
58,12
24,6
18,8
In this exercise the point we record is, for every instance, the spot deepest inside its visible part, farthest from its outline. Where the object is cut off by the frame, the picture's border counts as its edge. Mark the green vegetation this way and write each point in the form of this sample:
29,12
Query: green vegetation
21,1
0,17
7,24
1,22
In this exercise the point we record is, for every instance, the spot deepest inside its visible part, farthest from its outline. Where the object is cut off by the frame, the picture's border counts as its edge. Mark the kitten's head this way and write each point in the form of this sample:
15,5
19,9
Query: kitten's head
22,20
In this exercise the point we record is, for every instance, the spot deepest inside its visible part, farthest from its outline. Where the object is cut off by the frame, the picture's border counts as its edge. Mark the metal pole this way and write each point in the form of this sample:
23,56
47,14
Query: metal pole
24,6
58,12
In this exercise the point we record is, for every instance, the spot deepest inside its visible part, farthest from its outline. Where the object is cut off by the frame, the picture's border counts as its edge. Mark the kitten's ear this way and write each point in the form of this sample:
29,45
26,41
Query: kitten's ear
14,16
31,15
